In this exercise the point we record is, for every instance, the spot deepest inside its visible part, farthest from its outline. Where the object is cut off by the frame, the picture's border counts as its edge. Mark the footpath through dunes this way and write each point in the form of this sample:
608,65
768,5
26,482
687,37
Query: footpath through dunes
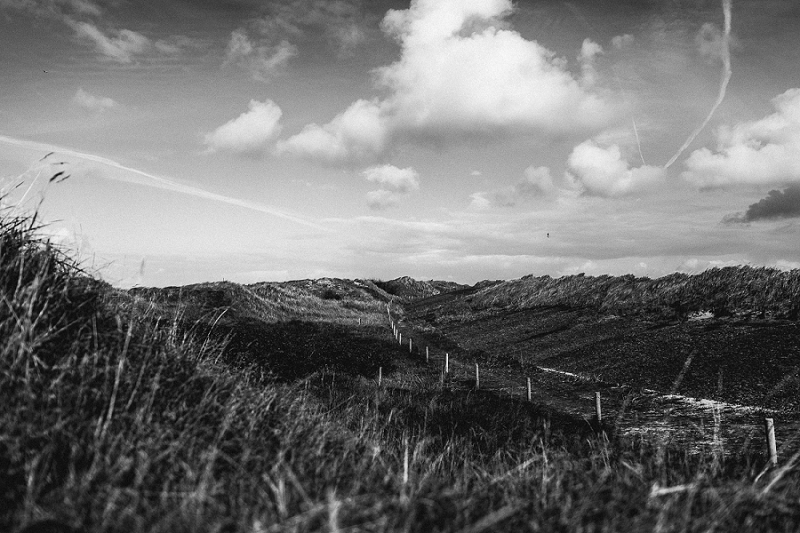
695,378
292,330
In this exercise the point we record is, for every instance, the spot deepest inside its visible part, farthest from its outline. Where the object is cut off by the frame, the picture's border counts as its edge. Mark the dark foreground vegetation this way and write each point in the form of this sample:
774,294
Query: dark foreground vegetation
224,408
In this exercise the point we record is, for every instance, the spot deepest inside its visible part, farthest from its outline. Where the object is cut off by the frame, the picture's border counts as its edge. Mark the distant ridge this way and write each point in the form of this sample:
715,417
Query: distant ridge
408,288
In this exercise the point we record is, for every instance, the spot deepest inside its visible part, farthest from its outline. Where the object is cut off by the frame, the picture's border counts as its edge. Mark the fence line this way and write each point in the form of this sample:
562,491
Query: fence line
769,424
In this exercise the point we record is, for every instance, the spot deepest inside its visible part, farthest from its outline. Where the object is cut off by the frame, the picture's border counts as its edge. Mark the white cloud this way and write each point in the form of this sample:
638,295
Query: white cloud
461,70
396,183
261,60
400,179
760,152
622,41
252,132
589,51
480,200
93,103
358,133
461,73
537,183
603,171
121,46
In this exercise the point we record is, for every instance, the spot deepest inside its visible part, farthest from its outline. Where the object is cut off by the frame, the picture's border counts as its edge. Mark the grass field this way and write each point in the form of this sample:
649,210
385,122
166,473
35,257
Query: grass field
222,408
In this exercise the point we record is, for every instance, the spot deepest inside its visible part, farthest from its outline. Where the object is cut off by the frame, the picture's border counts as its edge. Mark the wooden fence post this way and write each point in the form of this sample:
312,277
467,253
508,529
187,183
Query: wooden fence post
529,389
400,338
598,413
446,363
380,375
410,345
405,460
772,449
427,356
477,377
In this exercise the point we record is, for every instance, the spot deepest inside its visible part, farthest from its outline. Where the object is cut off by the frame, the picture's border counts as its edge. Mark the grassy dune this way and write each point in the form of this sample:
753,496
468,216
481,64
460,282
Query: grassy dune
226,408
731,291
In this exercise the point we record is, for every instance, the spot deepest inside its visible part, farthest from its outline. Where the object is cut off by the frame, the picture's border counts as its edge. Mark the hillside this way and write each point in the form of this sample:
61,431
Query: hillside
220,407
736,327
406,288
741,291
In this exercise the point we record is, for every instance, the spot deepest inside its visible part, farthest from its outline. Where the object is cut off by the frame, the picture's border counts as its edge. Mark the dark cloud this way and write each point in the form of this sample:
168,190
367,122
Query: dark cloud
777,205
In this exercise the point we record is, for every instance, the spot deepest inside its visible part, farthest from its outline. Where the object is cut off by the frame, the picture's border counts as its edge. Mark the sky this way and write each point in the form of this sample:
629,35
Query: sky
460,140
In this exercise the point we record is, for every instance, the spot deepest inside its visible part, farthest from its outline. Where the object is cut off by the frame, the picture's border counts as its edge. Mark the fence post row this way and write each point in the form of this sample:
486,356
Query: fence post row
769,423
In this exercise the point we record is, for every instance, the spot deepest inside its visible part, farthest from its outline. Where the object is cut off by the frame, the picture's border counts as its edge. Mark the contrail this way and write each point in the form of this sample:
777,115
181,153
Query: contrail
638,142
633,120
723,86
162,183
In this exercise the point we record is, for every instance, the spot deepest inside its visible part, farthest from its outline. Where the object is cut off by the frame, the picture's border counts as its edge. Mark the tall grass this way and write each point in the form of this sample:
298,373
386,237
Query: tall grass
120,415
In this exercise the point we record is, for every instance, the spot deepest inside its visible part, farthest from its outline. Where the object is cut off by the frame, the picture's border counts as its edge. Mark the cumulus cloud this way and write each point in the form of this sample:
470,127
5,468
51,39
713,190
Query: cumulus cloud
90,102
603,171
263,61
395,184
462,72
253,132
777,205
460,69
358,133
536,183
760,152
